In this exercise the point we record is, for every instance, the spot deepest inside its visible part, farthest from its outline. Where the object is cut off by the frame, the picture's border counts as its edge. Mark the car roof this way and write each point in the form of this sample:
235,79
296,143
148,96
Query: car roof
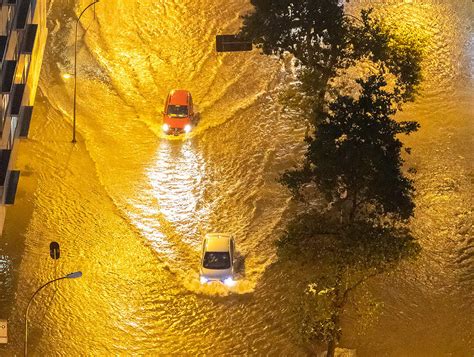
218,242
179,97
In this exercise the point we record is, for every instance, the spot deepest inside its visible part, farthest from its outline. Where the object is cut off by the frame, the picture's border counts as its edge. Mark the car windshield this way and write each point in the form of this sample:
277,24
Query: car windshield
178,110
216,260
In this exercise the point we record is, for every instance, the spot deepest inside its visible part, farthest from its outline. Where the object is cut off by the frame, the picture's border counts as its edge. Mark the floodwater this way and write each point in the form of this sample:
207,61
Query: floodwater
129,205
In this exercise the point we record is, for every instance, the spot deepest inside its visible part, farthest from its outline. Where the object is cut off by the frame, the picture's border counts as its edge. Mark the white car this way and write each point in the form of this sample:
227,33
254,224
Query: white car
217,261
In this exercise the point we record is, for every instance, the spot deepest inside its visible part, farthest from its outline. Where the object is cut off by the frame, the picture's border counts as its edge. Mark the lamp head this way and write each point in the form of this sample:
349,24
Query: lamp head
76,274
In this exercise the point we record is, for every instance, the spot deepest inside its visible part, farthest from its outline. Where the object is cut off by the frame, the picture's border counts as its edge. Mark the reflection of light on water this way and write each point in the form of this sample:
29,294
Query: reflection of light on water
176,178
434,27
168,203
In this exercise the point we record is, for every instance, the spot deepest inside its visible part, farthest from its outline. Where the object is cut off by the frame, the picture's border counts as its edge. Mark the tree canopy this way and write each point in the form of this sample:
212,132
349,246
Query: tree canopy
356,154
313,31
324,40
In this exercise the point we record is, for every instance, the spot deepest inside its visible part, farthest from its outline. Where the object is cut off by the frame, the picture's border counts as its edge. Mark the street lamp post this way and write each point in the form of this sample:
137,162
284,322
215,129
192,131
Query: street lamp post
74,275
75,72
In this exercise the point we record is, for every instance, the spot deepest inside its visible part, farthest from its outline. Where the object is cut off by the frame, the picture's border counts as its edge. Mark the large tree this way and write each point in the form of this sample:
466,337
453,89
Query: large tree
355,161
354,155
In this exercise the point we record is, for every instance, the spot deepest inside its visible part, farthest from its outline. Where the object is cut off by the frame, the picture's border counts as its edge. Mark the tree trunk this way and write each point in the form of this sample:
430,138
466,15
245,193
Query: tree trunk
319,109
353,208
331,348
319,103
338,304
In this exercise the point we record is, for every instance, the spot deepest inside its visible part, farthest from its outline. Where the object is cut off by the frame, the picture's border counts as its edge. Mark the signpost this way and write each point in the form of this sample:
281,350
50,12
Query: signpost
54,250
3,331
231,43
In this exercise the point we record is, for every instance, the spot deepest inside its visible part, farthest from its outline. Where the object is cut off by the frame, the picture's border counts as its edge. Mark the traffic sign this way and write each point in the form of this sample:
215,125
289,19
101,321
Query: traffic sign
232,43
54,250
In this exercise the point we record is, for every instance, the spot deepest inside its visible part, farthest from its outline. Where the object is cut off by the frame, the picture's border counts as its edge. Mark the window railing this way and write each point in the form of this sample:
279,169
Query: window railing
7,14
22,69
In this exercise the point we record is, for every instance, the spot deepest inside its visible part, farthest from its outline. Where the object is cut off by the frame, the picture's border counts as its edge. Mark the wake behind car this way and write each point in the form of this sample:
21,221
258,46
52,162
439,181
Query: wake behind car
217,261
178,115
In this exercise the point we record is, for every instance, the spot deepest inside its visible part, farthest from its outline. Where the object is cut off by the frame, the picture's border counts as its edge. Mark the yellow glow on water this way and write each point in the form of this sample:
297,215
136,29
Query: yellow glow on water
175,176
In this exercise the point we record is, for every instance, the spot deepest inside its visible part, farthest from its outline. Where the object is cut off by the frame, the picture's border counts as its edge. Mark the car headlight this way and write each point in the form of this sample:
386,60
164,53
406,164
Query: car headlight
203,280
187,128
229,282
166,127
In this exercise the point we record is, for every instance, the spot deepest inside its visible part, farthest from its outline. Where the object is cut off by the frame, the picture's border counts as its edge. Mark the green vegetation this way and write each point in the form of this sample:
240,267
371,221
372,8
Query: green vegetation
355,157
355,200
341,258
325,42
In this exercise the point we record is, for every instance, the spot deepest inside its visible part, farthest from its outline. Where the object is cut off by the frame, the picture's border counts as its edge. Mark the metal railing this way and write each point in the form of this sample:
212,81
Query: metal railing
24,67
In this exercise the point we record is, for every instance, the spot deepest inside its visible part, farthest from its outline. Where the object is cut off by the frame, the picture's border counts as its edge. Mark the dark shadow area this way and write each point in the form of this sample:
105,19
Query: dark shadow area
239,265
196,119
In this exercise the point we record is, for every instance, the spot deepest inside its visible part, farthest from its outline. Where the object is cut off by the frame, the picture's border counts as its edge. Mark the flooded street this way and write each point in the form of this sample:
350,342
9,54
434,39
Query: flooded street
129,205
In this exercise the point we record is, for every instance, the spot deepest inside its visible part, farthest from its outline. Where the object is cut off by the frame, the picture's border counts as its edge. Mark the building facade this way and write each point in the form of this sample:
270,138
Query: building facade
23,35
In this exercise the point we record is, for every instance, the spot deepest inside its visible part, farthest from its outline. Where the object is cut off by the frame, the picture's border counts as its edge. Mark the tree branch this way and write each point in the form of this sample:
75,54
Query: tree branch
353,287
